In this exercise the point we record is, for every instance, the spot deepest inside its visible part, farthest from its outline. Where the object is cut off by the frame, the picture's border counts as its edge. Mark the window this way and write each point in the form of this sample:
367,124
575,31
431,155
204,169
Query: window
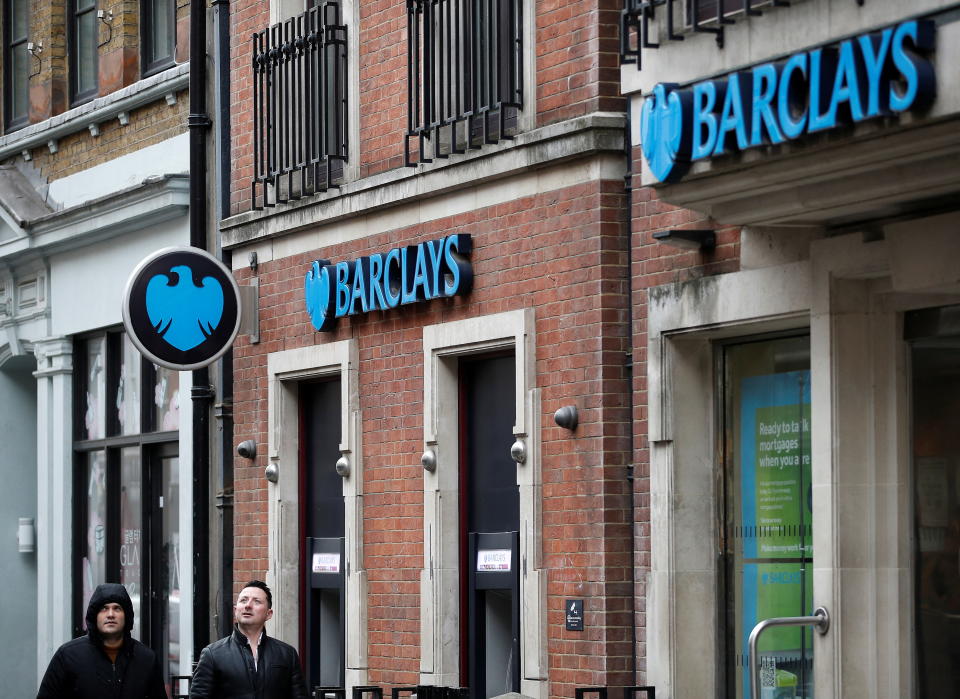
934,336
158,26
16,63
126,485
82,50
767,542
464,70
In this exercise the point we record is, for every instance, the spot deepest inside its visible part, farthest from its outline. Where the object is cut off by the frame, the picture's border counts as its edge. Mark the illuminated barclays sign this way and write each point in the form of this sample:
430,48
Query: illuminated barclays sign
873,75
383,281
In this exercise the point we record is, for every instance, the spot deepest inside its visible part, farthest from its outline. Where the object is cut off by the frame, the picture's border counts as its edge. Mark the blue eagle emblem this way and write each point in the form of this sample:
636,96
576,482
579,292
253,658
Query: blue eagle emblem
662,135
183,313
316,291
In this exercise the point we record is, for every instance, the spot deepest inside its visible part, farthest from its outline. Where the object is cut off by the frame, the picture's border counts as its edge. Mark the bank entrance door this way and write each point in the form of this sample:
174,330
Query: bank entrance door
934,336
489,526
768,520
322,608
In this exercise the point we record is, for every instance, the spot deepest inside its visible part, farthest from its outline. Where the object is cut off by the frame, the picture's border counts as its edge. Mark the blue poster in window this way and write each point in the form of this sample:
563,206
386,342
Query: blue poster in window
776,521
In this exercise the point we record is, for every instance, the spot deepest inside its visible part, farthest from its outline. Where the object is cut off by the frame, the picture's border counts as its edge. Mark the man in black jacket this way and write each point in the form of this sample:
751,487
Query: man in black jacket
248,664
107,663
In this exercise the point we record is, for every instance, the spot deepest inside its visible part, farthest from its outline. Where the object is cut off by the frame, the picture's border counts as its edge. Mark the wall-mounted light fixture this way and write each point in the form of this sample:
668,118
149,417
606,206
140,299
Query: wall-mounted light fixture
567,417
247,449
26,535
429,460
272,472
518,452
687,238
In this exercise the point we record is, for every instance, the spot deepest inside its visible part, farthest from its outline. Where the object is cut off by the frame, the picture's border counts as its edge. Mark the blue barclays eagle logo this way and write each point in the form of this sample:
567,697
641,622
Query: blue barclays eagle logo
183,313
316,291
663,137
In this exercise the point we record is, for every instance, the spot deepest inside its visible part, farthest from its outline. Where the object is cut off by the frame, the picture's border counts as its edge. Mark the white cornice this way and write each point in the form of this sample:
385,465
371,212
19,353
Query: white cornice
97,111
155,200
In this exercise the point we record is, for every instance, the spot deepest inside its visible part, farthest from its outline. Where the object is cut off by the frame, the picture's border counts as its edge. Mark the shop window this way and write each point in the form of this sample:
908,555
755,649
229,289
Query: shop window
82,49
126,487
16,63
935,355
158,32
767,538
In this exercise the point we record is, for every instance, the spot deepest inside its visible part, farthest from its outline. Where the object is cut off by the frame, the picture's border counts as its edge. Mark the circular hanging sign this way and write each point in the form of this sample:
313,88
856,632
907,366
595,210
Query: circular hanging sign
181,308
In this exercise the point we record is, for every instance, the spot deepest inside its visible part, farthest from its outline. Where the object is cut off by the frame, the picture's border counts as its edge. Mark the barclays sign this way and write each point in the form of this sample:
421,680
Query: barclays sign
383,281
873,75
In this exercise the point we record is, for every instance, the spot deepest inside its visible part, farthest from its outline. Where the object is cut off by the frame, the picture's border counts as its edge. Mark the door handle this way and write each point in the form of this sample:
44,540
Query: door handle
820,621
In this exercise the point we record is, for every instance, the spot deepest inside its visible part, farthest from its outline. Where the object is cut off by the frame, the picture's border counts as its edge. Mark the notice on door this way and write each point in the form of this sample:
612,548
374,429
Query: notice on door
326,563
494,560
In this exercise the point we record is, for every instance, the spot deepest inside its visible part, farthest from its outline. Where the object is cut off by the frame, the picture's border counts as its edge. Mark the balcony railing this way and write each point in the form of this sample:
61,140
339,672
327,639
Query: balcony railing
299,106
700,16
465,68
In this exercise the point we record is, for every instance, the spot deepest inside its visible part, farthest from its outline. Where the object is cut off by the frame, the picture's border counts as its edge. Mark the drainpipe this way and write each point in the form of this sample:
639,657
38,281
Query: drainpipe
201,392
631,483
223,410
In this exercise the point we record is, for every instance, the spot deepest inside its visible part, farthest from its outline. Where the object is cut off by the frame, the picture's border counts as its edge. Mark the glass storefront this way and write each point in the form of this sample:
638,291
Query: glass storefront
934,336
767,541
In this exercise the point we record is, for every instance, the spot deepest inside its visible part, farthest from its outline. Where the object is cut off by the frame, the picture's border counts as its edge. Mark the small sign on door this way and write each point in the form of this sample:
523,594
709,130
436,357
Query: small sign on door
326,563
494,560
574,614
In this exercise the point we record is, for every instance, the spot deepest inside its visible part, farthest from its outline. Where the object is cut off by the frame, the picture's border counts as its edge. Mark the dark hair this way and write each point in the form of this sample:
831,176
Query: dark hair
263,586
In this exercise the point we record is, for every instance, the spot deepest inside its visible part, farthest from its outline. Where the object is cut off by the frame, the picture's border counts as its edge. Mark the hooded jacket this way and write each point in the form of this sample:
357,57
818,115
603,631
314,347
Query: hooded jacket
81,668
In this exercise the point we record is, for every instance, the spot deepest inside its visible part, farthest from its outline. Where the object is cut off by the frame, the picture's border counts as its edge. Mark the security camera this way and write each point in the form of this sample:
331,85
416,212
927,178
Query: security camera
247,449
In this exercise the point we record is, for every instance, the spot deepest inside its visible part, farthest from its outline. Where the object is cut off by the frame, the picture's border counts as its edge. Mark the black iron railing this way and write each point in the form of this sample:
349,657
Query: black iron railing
464,73
299,106
702,16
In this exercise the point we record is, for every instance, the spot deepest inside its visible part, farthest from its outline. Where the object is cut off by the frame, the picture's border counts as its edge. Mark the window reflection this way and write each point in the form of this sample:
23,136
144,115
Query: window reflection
94,563
94,418
128,389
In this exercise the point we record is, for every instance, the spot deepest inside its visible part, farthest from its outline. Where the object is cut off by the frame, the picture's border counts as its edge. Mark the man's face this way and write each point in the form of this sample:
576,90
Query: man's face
251,610
110,620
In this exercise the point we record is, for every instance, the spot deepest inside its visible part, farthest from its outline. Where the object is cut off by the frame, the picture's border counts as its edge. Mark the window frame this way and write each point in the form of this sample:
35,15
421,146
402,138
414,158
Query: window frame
77,95
150,63
13,122
151,445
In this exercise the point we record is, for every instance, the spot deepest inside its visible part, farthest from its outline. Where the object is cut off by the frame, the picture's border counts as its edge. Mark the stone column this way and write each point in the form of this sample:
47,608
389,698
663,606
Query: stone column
54,495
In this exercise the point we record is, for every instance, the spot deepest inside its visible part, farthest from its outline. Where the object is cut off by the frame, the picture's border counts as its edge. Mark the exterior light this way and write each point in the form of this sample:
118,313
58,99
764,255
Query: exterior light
688,239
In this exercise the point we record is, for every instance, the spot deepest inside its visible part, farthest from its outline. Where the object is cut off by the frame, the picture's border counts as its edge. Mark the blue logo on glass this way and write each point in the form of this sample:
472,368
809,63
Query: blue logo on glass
183,313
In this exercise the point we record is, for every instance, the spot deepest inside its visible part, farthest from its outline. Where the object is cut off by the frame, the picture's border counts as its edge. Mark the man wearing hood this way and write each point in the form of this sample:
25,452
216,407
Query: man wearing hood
248,664
107,663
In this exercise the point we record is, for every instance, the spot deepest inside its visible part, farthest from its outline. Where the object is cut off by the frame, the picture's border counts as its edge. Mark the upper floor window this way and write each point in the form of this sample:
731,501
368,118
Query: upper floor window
82,49
158,27
464,69
16,63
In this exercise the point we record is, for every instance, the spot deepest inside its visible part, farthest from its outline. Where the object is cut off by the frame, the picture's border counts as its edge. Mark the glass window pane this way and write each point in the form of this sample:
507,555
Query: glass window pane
162,31
936,491
768,517
19,18
169,577
19,88
131,523
128,389
86,59
166,399
94,562
95,407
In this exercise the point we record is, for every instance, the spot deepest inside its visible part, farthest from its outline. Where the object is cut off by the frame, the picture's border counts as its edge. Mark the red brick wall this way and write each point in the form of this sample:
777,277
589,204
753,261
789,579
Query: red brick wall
565,254
655,264
576,51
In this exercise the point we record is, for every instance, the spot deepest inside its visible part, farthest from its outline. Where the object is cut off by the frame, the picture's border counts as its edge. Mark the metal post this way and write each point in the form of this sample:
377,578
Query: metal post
820,621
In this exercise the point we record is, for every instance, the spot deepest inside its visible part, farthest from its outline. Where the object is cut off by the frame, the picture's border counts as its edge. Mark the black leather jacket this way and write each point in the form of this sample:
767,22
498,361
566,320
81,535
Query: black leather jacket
226,670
